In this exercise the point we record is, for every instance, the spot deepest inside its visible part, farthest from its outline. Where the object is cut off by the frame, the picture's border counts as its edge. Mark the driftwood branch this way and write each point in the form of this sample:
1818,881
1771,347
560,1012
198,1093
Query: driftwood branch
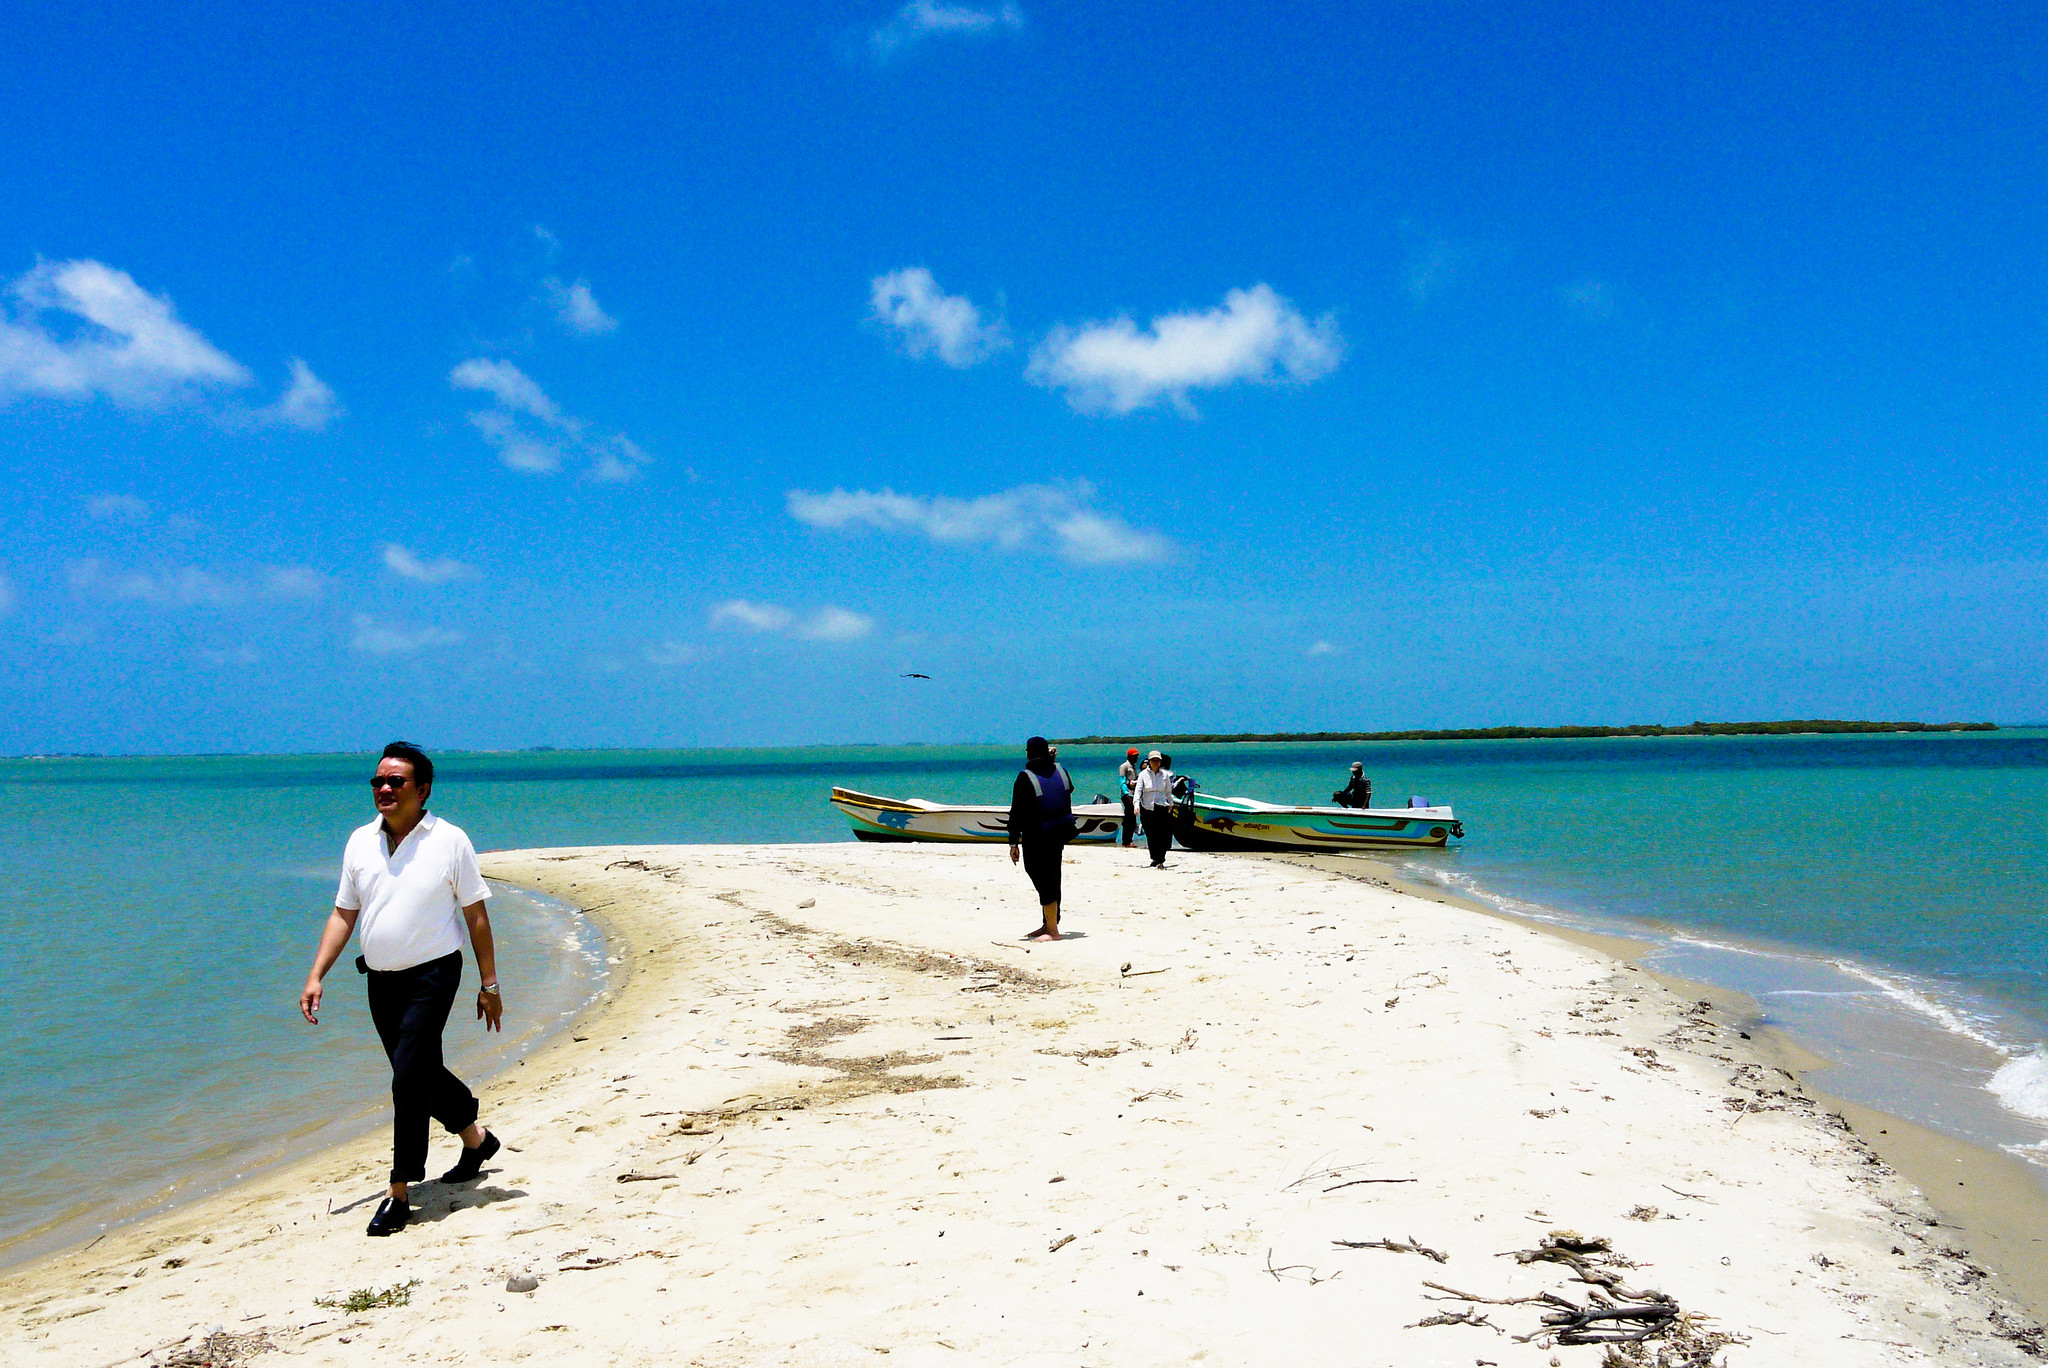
1545,1297
1359,1182
1409,1246
1605,1324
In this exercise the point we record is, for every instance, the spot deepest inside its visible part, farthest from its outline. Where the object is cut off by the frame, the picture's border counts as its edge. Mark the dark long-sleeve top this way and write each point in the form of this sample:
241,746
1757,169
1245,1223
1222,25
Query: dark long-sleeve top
1026,820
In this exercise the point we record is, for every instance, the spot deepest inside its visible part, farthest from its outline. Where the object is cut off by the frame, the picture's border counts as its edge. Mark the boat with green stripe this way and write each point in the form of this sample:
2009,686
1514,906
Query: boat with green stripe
1207,822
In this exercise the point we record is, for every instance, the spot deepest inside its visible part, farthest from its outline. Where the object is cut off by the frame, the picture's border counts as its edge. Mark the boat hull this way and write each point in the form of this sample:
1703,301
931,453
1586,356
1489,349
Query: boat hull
875,818
1238,825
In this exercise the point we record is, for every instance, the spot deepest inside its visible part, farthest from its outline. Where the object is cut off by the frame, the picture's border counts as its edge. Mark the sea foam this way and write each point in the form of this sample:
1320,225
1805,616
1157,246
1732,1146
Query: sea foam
2022,1084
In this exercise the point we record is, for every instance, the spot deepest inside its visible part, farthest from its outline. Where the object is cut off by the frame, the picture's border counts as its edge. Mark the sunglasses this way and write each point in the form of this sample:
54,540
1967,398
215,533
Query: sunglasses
390,781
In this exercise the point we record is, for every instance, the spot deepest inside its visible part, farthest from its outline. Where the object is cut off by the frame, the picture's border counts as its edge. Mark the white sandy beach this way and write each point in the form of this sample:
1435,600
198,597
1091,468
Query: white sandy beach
834,1110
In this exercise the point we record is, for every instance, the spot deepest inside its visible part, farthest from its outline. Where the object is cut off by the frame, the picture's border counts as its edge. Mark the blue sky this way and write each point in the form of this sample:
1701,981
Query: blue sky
609,376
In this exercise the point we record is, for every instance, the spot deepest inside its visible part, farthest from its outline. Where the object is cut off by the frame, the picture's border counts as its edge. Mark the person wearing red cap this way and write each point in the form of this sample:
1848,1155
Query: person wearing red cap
1128,773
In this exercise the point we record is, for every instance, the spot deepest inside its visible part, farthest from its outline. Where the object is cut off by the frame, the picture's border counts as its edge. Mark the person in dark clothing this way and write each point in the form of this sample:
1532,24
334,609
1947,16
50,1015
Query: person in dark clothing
1357,793
1127,775
1041,823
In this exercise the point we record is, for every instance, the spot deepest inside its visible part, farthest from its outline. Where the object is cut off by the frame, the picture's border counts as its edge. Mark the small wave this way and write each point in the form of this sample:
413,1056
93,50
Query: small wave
1809,992
2022,1086
1915,1000
1700,943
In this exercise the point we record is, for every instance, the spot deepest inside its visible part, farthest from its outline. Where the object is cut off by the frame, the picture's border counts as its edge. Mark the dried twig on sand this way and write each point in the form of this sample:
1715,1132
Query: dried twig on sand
1409,1246
1289,1268
1465,1317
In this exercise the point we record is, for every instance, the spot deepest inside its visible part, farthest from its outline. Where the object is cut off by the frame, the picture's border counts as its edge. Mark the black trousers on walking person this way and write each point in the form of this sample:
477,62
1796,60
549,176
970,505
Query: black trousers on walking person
1042,863
409,1008
1158,831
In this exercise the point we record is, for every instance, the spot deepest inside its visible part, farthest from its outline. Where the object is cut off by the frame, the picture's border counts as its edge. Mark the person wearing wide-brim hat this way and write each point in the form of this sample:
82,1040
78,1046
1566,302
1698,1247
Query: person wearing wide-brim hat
1041,823
1155,807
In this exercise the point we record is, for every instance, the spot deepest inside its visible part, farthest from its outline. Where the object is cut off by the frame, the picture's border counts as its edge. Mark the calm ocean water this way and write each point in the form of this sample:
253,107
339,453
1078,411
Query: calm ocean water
1880,896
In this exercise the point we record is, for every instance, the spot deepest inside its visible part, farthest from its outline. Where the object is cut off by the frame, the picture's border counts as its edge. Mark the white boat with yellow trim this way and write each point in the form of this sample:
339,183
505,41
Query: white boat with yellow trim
875,818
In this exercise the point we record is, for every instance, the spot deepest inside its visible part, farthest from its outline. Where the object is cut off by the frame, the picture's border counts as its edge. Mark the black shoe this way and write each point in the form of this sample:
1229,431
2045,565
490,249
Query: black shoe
472,1161
392,1214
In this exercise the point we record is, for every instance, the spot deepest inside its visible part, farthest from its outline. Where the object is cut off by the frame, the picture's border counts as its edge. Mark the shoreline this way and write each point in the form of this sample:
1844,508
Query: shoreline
250,1158
682,937
2003,1198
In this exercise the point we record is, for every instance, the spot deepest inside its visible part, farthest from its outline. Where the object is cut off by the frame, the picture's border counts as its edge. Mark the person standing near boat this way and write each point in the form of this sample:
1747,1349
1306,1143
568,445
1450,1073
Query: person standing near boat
1041,823
1155,807
1127,774
1357,793
409,884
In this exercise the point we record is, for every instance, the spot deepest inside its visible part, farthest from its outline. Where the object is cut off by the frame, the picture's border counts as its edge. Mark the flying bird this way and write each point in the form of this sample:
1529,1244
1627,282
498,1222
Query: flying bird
916,676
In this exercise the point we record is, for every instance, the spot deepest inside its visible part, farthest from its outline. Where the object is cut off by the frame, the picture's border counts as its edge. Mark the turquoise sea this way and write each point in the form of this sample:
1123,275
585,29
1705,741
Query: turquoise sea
1881,897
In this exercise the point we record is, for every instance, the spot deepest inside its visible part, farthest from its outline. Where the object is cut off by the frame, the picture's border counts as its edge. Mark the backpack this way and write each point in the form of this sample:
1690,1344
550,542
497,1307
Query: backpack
1055,803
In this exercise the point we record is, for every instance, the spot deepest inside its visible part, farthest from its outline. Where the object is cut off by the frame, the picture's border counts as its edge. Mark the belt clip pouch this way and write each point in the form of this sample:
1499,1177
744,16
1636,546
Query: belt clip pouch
362,965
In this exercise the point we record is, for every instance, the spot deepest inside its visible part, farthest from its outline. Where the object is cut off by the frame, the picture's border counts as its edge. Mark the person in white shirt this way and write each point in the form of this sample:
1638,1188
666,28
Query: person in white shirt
1154,795
409,890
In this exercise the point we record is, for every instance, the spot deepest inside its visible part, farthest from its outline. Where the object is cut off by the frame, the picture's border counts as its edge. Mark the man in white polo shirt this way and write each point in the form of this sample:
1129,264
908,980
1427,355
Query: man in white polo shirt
409,886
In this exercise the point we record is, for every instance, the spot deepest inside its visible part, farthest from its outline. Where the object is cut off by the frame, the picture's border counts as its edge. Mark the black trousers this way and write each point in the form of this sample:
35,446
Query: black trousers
410,1008
1158,831
1130,832
1042,863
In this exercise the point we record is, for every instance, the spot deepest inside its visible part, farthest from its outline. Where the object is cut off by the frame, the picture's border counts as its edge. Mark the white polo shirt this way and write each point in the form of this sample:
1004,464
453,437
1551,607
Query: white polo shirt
410,900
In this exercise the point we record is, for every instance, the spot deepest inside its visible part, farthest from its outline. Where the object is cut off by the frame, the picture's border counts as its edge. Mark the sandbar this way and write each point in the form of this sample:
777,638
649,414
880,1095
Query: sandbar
834,1109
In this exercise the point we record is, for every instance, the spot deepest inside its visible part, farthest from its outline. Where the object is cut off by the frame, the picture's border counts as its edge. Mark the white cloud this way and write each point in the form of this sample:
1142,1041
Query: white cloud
929,322
1007,521
406,565
672,653
835,624
751,617
512,387
1321,648
828,623
531,433
577,308
307,403
192,586
923,19
292,581
516,447
1255,335
617,459
118,508
389,638
112,339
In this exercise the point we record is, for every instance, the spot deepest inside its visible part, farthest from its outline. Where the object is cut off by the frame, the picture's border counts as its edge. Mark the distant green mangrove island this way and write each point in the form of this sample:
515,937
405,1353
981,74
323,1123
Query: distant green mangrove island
1796,727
